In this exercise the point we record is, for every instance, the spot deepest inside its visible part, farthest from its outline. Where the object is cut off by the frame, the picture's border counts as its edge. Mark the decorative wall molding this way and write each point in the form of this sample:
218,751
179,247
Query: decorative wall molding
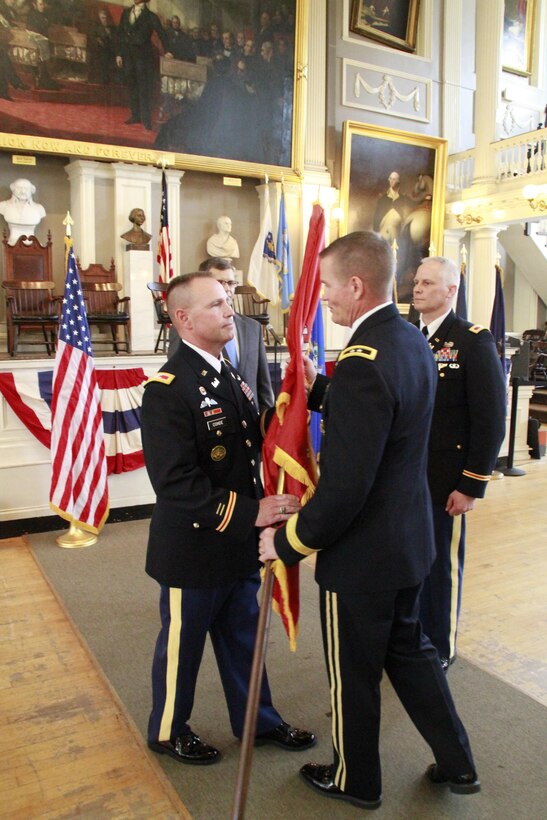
394,93
510,123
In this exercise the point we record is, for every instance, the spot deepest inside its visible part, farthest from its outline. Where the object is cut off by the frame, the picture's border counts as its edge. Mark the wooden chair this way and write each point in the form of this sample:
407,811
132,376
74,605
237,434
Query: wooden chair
31,306
157,289
105,309
28,260
249,303
95,272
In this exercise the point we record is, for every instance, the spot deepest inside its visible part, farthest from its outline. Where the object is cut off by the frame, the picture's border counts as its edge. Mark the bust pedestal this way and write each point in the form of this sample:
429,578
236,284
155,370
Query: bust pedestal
138,270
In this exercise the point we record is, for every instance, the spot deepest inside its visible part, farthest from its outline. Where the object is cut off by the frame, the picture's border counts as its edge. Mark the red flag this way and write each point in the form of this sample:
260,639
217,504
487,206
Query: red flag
287,443
79,489
164,257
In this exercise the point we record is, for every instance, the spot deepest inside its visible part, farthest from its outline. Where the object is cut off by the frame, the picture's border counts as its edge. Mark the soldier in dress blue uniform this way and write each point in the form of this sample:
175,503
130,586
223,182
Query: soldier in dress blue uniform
467,430
201,440
369,523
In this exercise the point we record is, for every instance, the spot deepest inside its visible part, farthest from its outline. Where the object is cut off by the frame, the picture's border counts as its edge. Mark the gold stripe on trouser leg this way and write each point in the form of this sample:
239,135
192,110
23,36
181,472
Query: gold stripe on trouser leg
173,644
455,581
333,661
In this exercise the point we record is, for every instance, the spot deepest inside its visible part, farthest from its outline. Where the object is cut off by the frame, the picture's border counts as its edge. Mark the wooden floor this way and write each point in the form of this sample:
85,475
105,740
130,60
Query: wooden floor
503,622
67,748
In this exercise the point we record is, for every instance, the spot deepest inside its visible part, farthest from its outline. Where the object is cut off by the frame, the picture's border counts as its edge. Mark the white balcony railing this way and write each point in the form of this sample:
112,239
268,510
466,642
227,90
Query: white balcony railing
524,155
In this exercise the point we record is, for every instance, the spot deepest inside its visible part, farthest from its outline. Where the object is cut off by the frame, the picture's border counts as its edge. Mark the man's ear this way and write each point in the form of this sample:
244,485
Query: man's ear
182,316
356,285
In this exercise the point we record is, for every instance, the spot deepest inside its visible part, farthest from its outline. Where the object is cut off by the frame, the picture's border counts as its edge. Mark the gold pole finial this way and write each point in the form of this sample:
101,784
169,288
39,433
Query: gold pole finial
68,222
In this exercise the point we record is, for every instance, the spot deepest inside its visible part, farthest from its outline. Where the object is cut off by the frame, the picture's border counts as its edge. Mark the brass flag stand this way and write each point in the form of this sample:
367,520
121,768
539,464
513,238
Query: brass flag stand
75,538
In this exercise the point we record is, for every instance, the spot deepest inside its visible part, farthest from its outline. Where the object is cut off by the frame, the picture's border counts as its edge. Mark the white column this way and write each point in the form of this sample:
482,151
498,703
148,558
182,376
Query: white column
83,175
452,245
173,207
482,273
488,38
452,62
315,133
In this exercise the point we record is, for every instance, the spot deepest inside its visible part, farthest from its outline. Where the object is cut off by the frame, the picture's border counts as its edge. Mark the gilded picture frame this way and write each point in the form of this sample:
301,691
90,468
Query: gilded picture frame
393,182
393,23
517,42
54,103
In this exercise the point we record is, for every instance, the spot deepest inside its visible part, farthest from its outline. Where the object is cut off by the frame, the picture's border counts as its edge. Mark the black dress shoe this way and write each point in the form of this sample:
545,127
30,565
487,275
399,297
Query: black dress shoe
187,749
288,737
320,778
132,120
461,784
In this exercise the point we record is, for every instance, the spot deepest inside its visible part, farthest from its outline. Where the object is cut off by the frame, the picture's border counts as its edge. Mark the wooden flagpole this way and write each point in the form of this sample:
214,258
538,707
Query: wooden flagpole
255,683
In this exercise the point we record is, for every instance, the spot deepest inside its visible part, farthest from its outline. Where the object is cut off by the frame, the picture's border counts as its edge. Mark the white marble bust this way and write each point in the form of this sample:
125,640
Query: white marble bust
223,243
21,212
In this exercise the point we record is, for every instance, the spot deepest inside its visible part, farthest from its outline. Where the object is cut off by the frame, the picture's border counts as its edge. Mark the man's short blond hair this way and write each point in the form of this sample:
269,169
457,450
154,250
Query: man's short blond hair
177,293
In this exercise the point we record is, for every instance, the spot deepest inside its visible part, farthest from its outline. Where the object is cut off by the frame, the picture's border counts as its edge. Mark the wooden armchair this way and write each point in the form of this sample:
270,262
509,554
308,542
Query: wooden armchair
28,260
249,303
95,272
31,306
157,289
104,308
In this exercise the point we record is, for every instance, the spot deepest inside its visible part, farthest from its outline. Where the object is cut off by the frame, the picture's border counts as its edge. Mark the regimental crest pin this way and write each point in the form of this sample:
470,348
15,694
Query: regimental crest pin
218,453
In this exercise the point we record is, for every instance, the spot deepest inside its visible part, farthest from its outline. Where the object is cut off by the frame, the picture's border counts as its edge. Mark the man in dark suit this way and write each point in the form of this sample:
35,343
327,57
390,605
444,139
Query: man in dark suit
467,430
246,350
137,56
180,43
369,522
201,441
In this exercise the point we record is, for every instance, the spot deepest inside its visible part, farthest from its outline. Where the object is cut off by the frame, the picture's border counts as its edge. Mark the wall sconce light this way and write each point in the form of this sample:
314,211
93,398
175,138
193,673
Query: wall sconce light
536,196
465,217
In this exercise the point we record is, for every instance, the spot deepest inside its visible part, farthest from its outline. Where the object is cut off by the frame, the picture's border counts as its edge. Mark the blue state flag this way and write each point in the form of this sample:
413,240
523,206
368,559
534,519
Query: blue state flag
317,355
461,300
283,249
497,322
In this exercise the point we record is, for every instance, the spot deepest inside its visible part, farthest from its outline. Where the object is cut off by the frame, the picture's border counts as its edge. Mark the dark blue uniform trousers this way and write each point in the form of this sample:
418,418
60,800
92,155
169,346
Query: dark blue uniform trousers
364,633
442,592
229,614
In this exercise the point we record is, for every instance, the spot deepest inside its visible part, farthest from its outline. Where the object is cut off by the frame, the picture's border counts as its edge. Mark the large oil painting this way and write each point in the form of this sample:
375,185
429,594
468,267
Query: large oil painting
393,182
216,83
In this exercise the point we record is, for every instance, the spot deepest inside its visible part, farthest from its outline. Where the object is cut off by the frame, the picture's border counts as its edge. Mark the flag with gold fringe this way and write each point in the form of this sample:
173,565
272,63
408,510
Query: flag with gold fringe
164,256
287,444
79,488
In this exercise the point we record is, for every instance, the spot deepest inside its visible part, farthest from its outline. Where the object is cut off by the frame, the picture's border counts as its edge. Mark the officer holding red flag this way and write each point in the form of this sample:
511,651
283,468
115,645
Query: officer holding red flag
369,522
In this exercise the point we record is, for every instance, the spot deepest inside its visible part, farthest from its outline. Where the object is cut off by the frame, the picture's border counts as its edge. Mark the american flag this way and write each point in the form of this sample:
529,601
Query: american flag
165,259
79,489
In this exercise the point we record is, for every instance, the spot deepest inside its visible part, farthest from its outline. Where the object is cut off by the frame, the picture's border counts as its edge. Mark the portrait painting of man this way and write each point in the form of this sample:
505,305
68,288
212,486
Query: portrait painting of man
391,184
